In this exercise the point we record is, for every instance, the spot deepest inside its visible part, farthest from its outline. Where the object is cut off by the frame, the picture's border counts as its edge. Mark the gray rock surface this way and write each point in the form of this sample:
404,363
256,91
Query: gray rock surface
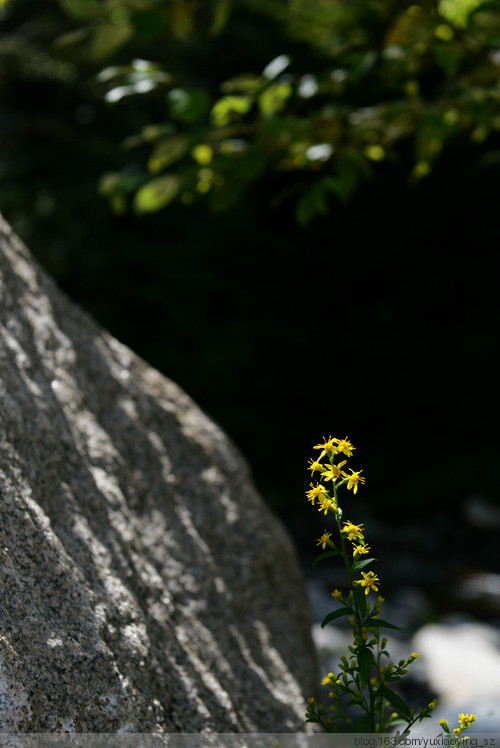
144,585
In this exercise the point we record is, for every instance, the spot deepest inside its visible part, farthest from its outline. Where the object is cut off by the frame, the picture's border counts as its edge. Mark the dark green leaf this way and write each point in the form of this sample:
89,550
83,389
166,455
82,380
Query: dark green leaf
357,565
395,701
311,204
365,661
360,599
378,622
363,724
327,554
334,615
188,106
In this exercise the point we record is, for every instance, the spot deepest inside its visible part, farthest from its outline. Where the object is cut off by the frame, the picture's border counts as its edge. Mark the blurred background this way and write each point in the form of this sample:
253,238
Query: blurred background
290,208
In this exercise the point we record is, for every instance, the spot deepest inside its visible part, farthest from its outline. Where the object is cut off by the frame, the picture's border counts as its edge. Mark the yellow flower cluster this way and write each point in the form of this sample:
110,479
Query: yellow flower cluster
331,472
464,721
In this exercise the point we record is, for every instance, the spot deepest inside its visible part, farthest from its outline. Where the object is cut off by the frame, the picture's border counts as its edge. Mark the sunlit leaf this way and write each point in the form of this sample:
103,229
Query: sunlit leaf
458,11
276,67
108,38
274,98
156,194
168,151
248,84
224,109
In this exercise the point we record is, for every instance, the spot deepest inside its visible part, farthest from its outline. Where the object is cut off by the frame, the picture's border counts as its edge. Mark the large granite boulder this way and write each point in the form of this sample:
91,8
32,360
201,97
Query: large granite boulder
144,585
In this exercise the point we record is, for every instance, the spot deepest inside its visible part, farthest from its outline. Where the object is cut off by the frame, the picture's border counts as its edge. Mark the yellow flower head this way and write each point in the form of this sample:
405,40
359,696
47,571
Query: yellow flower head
332,472
354,479
444,724
337,594
466,720
360,550
369,581
315,465
325,504
344,446
323,540
328,447
326,680
353,531
316,492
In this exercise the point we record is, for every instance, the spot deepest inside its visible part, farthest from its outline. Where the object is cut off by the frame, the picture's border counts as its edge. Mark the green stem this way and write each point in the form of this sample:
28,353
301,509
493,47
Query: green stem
367,706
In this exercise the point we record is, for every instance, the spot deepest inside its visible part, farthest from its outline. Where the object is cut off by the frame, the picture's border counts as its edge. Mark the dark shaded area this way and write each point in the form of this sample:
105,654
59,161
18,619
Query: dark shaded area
379,320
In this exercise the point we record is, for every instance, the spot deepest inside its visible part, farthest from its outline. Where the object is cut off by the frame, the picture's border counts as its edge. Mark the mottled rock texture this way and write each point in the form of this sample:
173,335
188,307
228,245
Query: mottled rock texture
144,585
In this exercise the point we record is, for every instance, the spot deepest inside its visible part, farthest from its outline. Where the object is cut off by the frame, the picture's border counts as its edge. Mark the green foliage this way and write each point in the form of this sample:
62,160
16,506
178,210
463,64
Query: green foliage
377,77
392,266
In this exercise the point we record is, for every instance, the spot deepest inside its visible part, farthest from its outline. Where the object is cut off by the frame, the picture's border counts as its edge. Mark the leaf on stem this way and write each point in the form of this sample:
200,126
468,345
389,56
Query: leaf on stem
334,615
365,661
328,554
357,565
379,623
360,599
395,701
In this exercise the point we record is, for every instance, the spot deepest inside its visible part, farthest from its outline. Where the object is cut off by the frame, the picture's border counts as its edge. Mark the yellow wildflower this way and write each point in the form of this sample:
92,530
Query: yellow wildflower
337,594
444,724
332,472
323,540
353,531
315,465
328,447
316,492
325,504
326,680
369,581
354,479
456,731
360,550
466,720
345,446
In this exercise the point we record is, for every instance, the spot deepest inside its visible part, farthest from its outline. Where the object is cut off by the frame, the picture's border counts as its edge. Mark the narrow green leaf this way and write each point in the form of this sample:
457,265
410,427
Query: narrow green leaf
328,554
382,624
365,661
360,599
334,615
357,565
395,701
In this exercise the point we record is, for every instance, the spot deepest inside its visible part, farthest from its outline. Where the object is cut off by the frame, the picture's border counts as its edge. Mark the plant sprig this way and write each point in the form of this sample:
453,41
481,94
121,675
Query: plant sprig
366,676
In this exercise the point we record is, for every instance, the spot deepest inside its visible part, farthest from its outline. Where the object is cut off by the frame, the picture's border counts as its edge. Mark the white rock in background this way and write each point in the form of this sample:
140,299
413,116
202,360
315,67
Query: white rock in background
462,664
